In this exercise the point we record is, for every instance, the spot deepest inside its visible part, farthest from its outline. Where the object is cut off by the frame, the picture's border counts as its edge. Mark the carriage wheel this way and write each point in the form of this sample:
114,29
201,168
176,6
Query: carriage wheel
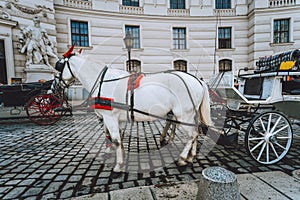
41,109
269,137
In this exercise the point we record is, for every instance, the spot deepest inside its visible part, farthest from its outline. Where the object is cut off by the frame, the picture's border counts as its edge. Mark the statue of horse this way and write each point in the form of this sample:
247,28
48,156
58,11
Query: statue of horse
156,96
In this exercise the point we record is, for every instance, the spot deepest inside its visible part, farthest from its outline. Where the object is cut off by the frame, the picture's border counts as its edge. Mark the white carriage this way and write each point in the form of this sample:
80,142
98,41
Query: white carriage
266,99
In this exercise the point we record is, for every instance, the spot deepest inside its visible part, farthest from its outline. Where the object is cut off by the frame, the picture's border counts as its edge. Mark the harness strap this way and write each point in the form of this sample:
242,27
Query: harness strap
132,80
169,120
104,70
190,95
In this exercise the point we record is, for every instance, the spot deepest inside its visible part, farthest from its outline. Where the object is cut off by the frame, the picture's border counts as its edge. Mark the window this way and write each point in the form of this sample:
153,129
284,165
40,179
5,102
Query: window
179,38
223,4
177,4
224,36
80,33
281,31
180,65
225,65
130,3
135,32
135,66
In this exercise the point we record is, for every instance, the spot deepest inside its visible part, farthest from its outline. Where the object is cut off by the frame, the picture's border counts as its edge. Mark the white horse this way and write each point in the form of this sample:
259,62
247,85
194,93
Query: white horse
157,94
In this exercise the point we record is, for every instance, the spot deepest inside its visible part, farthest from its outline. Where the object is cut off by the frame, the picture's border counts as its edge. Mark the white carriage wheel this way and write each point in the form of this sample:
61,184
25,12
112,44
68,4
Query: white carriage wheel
269,137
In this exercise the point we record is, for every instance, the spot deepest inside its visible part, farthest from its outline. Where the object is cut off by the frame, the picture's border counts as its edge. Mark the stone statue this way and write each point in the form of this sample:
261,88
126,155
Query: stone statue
36,44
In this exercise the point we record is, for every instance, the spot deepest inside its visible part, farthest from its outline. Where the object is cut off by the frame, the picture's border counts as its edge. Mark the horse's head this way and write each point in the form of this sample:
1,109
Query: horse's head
67,72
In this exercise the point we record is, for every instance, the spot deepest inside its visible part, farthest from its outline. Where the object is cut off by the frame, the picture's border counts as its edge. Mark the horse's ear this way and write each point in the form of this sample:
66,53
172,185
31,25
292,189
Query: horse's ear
68,53
80,50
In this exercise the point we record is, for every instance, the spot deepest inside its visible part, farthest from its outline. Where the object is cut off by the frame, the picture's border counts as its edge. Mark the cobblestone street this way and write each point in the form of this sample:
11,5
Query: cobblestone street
69,158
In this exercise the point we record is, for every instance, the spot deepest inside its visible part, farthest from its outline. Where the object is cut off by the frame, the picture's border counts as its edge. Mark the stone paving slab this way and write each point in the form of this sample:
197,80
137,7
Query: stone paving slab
141,193
97,196
282,182
296,174
251,187
176,191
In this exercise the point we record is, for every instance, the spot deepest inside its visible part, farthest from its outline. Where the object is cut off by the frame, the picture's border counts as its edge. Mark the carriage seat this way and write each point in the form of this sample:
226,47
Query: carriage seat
291,87
295,92
37,85
18,95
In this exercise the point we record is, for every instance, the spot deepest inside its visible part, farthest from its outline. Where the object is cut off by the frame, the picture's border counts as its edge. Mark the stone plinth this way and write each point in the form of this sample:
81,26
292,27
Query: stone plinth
39,72
218,184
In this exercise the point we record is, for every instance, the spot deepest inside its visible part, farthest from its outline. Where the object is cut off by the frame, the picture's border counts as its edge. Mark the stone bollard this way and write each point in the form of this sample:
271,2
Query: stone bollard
218,184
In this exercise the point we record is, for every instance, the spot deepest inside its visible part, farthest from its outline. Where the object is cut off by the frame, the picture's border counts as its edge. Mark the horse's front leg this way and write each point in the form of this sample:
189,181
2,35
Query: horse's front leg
107,141
112,125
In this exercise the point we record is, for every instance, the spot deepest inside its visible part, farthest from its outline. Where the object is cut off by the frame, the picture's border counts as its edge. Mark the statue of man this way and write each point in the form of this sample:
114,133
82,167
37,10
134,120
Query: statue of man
36,44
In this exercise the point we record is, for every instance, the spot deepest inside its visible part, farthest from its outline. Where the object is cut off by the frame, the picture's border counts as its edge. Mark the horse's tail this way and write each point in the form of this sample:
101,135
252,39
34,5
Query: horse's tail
204,111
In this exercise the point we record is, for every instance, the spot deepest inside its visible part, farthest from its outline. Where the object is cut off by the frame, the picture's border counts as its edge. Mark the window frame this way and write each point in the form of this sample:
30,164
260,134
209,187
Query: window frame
277,35
179,42
134,3
135,34
80,34
179,63
177,4
223,4
222,62
223,41
136,65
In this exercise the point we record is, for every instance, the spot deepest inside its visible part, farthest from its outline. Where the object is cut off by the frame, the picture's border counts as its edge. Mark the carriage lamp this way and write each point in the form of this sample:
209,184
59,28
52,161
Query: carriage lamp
128,41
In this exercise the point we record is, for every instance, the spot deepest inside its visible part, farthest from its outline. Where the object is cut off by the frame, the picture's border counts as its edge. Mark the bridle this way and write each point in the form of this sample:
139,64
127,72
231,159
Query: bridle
60,66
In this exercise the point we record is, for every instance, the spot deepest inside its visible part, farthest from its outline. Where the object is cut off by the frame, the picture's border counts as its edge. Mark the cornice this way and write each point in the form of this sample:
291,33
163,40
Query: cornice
287,9
98,13
8,22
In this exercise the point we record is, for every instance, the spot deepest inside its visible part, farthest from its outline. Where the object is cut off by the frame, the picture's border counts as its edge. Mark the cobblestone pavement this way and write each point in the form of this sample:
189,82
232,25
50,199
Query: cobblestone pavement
68,159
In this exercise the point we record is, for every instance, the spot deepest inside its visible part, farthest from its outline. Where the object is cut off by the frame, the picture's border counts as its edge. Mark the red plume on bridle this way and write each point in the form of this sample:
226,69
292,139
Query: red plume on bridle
68,53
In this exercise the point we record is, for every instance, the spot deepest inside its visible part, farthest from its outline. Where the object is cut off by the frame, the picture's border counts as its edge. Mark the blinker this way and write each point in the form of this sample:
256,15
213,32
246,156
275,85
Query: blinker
59,65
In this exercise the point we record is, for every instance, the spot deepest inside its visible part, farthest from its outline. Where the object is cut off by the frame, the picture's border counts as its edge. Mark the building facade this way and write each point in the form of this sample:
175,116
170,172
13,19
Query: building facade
202,37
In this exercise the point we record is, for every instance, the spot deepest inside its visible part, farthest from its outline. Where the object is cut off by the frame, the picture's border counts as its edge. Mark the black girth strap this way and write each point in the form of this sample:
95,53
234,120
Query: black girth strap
104,70
132,83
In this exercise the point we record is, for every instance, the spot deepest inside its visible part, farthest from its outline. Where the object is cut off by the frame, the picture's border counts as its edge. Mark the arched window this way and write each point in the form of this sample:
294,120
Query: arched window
225,65
180,65
135,66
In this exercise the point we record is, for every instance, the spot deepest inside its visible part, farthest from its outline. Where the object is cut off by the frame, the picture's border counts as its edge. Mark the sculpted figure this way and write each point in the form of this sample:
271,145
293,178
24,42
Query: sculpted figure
36,44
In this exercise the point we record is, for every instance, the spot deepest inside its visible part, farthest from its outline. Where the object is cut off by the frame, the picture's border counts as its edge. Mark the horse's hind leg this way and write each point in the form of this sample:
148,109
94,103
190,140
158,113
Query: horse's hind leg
192,152
172,134
190,146
164,134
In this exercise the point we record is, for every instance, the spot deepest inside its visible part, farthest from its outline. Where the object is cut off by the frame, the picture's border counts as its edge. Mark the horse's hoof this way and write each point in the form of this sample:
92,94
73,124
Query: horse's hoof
163,143
181,162
190,159
116,174
181,167
108,150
